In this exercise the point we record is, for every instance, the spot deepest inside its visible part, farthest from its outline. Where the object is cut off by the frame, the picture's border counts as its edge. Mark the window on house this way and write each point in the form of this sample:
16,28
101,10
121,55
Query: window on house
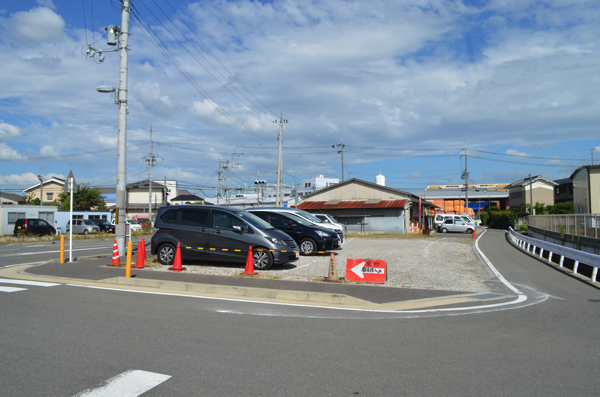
49,196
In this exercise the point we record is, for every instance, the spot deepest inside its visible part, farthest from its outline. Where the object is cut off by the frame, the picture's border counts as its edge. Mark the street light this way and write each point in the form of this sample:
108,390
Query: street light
106,89
41,179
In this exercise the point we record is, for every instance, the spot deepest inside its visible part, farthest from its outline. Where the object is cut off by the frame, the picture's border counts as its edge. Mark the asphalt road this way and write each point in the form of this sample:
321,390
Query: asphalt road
61,340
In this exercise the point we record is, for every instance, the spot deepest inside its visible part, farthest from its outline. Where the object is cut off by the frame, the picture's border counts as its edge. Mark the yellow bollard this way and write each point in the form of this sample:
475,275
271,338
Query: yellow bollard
62,248
128,265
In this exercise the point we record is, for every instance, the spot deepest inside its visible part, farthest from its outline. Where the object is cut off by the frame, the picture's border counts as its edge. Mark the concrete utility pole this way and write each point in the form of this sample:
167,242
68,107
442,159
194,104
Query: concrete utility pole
465,176
151,161
341,146
223,165
278,199
531,209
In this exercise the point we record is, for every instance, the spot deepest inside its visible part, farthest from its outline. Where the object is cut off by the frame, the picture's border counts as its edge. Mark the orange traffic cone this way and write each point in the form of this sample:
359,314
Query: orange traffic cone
116,259
139,259
144,249
249,263
177,262
474,234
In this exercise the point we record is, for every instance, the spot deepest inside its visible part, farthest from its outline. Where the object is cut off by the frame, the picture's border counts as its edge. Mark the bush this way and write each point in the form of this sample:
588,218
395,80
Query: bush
502,219
484,218
523,228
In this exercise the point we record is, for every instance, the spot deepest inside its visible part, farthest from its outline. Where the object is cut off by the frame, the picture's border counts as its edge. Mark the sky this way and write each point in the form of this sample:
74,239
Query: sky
409,87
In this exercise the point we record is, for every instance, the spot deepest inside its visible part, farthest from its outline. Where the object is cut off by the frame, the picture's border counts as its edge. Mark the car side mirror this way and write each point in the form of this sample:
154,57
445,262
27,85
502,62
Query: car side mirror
238,229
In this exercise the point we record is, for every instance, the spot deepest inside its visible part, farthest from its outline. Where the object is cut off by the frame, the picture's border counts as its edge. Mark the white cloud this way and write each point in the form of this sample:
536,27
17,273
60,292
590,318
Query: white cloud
149,95
512,152
9,132
8,153
37,24
46,3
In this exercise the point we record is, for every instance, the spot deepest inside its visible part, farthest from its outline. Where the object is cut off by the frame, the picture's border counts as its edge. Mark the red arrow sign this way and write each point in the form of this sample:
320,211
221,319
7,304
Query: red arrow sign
366,270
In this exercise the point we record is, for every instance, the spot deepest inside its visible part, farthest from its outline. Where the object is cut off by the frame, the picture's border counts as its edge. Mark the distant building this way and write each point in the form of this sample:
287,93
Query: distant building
563,192
53,186
11,199
586,189
535,188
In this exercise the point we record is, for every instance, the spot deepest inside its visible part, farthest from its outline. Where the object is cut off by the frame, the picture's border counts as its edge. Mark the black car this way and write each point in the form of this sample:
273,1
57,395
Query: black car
309,237
32,226
104,225
212,233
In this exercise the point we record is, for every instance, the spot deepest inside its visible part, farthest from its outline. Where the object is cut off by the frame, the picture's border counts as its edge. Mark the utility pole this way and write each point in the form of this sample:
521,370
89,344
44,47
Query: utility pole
341,146
465,176
223,165
278,199
151,161
41,178
531,209
296,187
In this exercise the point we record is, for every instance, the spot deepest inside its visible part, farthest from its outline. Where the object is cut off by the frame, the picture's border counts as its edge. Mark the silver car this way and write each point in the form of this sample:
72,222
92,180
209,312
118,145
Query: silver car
83,226
456,225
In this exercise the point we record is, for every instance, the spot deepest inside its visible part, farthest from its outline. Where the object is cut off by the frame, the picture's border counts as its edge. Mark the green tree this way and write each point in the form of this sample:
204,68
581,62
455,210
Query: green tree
540,208
502,219
85,199
562,208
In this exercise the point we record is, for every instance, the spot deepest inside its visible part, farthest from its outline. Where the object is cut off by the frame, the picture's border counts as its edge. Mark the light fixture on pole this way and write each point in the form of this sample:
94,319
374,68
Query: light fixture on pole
41,178
119,37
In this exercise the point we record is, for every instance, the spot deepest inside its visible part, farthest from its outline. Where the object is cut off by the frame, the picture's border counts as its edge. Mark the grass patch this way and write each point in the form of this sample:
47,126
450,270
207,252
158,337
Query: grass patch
382,236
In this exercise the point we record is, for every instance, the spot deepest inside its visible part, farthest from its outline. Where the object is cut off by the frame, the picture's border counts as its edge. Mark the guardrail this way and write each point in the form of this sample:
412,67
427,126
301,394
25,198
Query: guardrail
526,242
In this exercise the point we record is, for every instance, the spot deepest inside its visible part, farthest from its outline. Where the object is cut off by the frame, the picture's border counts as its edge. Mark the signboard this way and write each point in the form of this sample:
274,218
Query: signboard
366,270
67,186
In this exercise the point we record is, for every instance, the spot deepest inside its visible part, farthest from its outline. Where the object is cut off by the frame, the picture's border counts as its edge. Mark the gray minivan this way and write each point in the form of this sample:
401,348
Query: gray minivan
83,226
212,233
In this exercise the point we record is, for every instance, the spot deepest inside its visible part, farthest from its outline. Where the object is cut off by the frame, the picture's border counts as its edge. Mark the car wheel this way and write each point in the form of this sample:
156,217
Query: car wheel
85,232
469,231
263,260
307,246
444,230
166,254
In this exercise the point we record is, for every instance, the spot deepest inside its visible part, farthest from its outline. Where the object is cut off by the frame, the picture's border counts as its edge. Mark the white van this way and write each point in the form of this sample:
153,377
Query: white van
440,218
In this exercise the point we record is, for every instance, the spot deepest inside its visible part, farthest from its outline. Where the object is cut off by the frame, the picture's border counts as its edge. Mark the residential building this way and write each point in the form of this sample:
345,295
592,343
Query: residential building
563,192
586,189
11,199
535,188
52,187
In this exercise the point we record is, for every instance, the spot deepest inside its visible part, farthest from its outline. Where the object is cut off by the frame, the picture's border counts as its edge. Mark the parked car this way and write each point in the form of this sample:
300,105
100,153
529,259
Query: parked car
104,225
135,227
83,226
213,233
310,238
456,225
326,218
441,218
33,226
308,217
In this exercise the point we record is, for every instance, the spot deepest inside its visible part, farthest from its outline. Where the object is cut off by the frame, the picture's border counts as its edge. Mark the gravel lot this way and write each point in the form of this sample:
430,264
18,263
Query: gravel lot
437,262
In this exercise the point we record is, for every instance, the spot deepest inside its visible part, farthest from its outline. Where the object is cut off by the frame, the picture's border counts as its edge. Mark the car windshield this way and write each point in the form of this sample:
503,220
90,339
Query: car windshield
254,220
307,215
298,219
131,222
88,222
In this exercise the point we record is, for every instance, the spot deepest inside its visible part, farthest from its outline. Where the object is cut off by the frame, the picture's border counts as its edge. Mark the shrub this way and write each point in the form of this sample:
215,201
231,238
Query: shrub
484,218
523,228
502,219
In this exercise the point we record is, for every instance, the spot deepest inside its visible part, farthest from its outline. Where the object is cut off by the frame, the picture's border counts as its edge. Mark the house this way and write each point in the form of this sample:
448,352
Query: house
534,188
52,187
563,192
11,199
370,207
586,189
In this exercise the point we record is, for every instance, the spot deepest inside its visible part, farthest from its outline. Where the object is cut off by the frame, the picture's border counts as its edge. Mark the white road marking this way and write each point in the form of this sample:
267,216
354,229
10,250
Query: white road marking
21,264
11,289
27,282
130,383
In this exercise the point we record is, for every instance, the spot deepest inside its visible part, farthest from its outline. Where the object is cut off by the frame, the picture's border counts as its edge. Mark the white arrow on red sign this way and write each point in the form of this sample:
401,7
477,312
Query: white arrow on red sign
358,270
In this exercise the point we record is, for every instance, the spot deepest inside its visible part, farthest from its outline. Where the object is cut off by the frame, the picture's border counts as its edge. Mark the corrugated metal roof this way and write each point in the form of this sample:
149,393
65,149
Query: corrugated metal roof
352,204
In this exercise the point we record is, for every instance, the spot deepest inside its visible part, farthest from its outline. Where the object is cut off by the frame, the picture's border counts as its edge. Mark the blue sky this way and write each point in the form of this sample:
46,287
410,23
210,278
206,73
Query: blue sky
406,85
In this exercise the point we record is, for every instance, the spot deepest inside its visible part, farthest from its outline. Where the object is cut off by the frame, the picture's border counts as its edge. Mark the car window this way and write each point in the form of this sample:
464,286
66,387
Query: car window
298,219
254,220
43,223
226,221
307,215
195,218
280,221
457,222
169,216
88,222
33,222
448,222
